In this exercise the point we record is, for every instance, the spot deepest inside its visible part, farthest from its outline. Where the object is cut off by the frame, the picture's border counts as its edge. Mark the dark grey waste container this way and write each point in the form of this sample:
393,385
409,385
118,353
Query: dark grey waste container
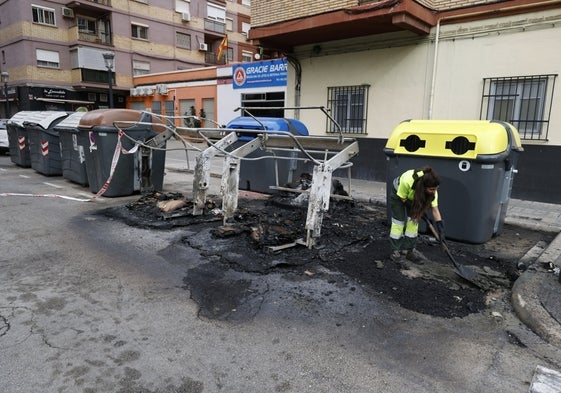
44,143
72,152
99,136
476,160
261,174
18,137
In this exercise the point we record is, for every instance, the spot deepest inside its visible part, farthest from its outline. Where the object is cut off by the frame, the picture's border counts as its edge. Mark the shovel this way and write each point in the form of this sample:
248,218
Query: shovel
461,270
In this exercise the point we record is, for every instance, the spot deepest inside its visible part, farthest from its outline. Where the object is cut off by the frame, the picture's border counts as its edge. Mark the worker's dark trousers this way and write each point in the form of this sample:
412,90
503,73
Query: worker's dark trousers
403,230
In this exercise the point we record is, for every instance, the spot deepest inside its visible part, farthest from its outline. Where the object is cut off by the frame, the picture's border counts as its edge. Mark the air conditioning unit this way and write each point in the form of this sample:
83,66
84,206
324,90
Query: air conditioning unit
148,91
162,89
134,92
67,12
203,47
185,16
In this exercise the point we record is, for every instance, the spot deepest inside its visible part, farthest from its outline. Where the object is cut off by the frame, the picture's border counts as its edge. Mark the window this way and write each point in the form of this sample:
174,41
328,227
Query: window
216,13
182,6
43,15
247,3
86,25
247,57
157,107
348,107
139,31
183,40
169,106
273,100
140,67
47,58
245,28
525,102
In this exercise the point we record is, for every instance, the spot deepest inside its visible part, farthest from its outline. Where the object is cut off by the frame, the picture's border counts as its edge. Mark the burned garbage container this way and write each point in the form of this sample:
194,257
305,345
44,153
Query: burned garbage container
72,152
100,133
476,160
44,143
261,174
18,136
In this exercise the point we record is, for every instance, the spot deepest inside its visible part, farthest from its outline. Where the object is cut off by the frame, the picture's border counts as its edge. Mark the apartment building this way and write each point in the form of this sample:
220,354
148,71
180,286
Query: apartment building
377,63
52,51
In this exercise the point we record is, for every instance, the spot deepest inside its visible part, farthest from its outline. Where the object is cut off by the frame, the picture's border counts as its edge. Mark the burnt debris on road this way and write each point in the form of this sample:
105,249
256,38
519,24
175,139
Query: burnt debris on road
264,234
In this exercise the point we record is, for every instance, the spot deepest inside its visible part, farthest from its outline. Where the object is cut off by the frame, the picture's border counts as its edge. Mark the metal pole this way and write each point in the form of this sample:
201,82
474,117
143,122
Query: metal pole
7,101
110,88
5,76
109,58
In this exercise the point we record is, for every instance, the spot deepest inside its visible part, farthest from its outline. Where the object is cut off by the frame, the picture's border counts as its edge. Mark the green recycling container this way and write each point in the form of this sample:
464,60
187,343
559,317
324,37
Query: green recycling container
476,161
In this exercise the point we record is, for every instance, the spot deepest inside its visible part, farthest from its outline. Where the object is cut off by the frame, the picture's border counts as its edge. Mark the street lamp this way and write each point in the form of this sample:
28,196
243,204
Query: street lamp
109,58
5,77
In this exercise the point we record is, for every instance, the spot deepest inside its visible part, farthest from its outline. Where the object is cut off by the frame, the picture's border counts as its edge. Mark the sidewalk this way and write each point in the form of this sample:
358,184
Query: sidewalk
536,294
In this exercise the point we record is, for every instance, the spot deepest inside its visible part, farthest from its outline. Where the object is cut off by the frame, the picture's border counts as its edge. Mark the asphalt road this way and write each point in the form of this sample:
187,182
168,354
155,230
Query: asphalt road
89,304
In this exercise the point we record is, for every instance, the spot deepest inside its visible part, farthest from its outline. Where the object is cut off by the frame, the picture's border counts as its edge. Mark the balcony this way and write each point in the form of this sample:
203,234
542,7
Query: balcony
78,3
212,59
97,38
215,26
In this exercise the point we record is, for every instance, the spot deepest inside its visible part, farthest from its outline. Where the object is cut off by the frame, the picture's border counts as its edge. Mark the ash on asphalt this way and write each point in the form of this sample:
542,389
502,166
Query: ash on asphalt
354,242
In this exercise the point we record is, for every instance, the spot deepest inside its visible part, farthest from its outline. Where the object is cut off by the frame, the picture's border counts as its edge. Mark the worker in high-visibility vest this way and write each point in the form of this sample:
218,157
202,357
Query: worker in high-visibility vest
414,192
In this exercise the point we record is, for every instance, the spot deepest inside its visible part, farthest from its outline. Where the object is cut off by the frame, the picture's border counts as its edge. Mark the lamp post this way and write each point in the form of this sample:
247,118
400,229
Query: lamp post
109,58
5,77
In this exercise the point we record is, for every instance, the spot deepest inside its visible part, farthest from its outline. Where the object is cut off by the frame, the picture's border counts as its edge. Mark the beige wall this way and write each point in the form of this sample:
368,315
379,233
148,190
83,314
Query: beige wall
401,76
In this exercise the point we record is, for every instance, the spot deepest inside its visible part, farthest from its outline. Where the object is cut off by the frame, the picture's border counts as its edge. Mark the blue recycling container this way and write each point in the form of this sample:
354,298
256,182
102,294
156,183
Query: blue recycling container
261,175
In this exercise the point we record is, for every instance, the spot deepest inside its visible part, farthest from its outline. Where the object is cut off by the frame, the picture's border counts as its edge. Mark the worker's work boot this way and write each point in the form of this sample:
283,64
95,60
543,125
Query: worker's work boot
416,256
396,256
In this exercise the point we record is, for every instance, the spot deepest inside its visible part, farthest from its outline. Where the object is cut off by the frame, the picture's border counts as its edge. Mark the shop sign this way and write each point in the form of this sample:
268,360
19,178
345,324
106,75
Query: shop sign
260,74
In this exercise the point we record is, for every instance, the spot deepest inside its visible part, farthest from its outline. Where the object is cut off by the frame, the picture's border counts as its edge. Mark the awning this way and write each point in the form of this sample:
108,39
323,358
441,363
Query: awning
62,101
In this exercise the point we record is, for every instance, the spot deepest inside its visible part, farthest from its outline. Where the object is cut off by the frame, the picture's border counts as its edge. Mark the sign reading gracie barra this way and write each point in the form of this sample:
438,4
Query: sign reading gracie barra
260,74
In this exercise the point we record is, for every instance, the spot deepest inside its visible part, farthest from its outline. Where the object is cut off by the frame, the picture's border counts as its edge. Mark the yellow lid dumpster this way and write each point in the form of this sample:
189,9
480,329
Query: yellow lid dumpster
476,161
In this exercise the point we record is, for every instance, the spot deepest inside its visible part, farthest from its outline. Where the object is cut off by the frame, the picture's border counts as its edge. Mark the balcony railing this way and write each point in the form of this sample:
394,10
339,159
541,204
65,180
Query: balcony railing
212,58
102,2
215,26
104,39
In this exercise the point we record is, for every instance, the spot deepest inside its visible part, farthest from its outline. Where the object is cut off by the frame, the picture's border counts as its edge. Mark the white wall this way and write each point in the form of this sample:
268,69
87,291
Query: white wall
401,75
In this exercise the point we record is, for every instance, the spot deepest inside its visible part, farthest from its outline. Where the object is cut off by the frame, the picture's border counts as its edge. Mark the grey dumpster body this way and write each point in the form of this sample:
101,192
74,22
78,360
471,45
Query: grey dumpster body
72,152
18,136
476,161
99,136
44,143
260,175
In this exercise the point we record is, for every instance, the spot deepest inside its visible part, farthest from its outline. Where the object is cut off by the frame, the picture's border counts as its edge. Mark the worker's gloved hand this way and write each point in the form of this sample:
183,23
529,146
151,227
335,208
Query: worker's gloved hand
408,204
441,230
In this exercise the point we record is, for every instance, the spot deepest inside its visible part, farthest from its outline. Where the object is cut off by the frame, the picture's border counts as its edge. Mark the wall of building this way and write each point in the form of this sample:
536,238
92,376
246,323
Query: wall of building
266,12
405,84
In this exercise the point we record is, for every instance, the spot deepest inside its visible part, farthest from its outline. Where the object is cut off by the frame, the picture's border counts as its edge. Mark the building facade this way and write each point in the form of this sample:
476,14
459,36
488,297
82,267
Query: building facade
375,64
212,94
53,50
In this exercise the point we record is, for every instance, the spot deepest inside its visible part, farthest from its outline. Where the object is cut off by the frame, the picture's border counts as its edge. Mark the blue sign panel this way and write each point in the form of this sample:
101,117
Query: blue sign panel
260,74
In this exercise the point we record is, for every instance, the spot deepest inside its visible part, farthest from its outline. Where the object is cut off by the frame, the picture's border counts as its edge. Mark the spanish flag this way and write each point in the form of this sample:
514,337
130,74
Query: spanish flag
223,47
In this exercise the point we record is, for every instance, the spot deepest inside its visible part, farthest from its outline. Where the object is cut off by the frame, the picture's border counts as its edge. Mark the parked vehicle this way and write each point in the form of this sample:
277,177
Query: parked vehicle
4,144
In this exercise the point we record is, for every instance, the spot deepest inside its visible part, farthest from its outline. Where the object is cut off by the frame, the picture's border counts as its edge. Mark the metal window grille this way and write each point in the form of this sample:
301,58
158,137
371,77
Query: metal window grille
347,105
523,101
183,40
